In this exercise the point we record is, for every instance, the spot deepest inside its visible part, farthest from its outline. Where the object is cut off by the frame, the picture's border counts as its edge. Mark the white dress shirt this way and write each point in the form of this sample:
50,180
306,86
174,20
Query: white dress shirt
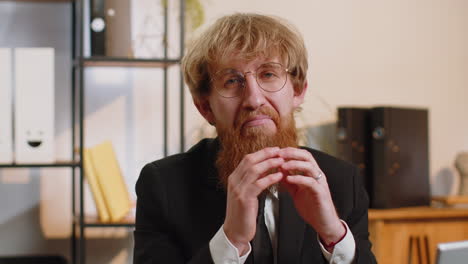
223,251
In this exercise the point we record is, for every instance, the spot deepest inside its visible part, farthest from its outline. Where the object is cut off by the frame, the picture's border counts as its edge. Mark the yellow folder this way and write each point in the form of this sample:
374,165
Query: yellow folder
98,196
110,180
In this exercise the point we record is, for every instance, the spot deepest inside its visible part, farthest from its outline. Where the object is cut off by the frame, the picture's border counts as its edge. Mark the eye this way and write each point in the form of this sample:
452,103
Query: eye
268,74
232,81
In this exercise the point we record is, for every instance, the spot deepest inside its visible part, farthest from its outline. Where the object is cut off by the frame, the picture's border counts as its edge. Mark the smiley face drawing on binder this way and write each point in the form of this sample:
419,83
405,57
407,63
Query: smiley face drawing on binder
34,138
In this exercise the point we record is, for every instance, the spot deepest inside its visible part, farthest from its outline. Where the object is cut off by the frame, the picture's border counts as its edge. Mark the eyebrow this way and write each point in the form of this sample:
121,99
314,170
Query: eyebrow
263,64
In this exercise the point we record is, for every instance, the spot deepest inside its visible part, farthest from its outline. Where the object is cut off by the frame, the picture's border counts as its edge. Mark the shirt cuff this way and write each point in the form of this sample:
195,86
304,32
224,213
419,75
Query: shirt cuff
344,251
223,251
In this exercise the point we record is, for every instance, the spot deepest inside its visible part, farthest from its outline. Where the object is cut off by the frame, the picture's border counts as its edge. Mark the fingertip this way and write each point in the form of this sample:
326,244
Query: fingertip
270,179
277,162
287,167
278,174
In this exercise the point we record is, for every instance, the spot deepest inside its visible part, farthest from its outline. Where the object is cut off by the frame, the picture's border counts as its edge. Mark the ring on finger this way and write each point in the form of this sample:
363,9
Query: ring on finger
318,176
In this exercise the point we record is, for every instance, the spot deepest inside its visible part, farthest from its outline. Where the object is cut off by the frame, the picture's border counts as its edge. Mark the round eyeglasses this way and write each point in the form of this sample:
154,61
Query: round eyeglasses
271,77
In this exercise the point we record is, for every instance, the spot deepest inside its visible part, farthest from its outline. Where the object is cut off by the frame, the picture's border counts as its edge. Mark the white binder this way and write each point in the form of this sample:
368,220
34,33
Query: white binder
34,105
6,105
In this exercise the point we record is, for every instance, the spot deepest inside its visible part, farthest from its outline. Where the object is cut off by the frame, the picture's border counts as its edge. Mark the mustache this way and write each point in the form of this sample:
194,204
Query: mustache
244,116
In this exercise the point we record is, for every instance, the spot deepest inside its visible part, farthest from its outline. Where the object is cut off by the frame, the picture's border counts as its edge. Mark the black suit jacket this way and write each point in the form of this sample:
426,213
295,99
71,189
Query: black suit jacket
181,206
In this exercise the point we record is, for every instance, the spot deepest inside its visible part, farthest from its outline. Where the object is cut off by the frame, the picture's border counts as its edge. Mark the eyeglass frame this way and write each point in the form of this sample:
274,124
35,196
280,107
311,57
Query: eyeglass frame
254,73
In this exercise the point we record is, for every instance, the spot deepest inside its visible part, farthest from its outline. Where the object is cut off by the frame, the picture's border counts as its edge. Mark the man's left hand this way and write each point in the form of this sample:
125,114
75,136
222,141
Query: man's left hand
308,187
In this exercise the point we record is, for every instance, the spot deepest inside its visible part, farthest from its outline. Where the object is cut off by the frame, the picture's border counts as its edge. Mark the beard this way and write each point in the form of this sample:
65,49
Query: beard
239,141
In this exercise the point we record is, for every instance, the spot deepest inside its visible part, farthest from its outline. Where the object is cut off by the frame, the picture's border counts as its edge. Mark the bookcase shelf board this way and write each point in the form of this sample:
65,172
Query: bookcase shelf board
39,1
94,222
127,62
50,165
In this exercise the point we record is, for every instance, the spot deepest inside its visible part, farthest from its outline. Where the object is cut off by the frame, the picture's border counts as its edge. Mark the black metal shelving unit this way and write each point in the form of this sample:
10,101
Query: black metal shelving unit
80,63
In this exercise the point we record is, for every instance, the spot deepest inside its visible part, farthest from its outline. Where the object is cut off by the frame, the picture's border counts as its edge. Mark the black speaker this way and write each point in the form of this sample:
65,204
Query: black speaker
354,141
400,157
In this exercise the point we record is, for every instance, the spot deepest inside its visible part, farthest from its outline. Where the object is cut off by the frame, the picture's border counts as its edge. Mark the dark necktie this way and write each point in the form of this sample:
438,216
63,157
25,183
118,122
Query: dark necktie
262,249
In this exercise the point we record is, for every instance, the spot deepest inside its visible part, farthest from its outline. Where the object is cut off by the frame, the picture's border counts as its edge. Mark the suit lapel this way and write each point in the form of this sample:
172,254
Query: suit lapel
214,194
291,231
207,164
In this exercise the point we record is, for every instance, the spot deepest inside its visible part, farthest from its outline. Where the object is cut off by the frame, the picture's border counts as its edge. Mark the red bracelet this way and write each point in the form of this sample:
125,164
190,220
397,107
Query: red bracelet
332,244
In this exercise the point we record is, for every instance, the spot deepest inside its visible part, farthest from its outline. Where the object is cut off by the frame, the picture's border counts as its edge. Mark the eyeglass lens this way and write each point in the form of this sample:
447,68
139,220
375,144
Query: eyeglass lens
271,77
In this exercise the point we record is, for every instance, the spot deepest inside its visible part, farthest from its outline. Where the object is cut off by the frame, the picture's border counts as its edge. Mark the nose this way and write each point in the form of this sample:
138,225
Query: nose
253,96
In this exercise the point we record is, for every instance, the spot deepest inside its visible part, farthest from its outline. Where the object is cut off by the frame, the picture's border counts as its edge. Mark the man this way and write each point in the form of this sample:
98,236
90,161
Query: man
250,195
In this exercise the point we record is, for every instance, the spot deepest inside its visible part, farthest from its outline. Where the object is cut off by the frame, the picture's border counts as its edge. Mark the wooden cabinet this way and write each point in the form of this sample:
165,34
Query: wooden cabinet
411,235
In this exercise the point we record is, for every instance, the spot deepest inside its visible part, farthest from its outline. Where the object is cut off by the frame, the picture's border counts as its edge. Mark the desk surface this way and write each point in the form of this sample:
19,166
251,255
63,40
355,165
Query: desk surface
412,213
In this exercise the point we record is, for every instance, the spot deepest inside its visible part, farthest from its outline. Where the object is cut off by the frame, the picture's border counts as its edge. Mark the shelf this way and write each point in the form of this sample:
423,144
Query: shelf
413,213
59,164
93,221
39,1
454,200
127,62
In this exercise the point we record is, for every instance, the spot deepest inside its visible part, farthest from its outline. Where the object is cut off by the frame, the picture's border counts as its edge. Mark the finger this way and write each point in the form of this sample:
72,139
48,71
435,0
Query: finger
260,155
262,168
296,154
303,181
267,181
251,159
306,167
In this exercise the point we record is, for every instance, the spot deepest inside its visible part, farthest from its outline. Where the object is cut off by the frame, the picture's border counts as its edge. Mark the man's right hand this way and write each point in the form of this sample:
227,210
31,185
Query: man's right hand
246,182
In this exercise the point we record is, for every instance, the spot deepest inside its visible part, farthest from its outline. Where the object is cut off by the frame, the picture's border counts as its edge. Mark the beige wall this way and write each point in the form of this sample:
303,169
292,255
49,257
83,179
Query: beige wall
399,52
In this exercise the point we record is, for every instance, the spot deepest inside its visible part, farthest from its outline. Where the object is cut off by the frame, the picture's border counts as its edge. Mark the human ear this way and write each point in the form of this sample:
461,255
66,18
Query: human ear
203,106
299,95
